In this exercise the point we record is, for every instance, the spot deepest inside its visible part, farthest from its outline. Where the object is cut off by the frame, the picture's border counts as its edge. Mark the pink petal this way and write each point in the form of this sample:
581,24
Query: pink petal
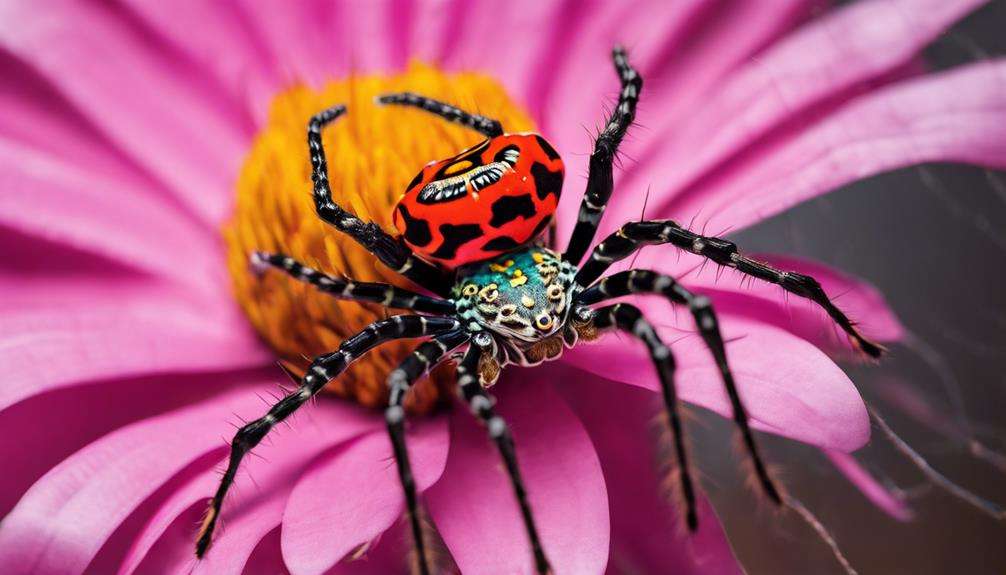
955,116
63,520
473,505
736,294
256,503
478,35
160,109
50,427
646,530
874,491
684,52
351,497
789,387
66,202
127,330
829,58
34,115
219,37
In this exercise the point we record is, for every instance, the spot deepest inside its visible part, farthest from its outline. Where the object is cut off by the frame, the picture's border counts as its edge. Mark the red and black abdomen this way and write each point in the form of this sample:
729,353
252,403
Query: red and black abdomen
487,200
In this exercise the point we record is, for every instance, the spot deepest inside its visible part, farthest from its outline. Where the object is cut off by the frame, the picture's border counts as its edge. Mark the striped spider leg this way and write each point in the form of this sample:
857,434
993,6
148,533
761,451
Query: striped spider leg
389,250
322,370
630,319
427,356
482,406
635,235
600,178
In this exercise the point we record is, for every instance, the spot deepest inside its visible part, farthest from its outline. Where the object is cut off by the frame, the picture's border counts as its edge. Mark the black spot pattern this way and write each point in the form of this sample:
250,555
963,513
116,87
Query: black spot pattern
417,232
546,182
454,238
549,150
509,208
500,244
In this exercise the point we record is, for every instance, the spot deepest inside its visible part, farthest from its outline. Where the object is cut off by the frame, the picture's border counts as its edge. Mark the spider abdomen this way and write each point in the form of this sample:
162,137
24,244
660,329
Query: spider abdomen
485,201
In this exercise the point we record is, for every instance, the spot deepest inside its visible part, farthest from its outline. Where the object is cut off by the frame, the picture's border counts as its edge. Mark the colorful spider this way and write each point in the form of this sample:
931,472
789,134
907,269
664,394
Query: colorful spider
470,227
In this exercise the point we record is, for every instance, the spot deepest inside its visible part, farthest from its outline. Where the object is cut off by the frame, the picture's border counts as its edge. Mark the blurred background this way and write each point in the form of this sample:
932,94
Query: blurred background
933,241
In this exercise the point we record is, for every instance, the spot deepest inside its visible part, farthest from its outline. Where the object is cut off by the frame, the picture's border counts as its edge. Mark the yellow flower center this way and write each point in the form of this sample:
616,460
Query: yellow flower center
373,152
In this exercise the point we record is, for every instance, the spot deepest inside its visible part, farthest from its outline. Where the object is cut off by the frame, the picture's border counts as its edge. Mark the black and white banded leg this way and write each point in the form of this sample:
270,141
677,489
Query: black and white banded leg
632,236
420,361
388,249
488,127
323,369
646,281
481,405
341,288
629,318
600,179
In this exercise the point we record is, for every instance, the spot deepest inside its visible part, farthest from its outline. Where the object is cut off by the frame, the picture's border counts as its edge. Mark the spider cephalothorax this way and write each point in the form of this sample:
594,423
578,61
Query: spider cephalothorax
470,230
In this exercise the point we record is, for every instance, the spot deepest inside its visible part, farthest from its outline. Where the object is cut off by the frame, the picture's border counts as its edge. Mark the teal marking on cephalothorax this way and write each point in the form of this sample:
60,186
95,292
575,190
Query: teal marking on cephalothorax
523,294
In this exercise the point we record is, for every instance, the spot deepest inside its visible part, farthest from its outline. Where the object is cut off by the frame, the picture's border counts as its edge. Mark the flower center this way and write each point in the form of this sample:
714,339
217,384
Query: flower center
373,152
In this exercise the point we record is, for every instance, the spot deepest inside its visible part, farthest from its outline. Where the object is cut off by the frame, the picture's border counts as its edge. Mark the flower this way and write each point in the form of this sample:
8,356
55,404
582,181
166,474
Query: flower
125,354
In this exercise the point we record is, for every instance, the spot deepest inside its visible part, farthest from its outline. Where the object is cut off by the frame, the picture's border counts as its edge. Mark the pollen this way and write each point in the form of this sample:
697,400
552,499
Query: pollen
373,153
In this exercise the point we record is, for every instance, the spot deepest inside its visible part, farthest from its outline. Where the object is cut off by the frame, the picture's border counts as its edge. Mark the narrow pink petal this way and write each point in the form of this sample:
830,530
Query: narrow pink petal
685,51
473,505
869,486
955,116
352,496
255,504
736,294
299,37
220,38
646,529
156,107
477,42
124,332
48,428
34,115
831,57
69,203
789,387
63,520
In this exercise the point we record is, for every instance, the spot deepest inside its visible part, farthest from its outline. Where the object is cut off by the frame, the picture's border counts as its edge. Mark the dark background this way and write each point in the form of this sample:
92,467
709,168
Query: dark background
933,240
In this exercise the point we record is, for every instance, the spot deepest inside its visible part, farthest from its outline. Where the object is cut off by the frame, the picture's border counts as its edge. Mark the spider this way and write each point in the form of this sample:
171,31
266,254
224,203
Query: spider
470,228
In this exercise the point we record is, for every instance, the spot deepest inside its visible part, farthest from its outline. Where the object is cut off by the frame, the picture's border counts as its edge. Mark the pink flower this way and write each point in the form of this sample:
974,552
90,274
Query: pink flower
124,356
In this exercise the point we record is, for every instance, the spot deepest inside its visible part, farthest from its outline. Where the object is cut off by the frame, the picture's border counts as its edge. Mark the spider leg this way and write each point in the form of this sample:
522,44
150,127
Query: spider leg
646,281
481,405
420,361
341,288
486,126
323,369
600,179
632,236
388,249
629,318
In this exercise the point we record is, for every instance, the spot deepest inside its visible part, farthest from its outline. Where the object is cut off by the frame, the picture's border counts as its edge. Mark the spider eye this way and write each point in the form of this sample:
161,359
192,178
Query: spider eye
508,310
469,290
555,292
544,321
